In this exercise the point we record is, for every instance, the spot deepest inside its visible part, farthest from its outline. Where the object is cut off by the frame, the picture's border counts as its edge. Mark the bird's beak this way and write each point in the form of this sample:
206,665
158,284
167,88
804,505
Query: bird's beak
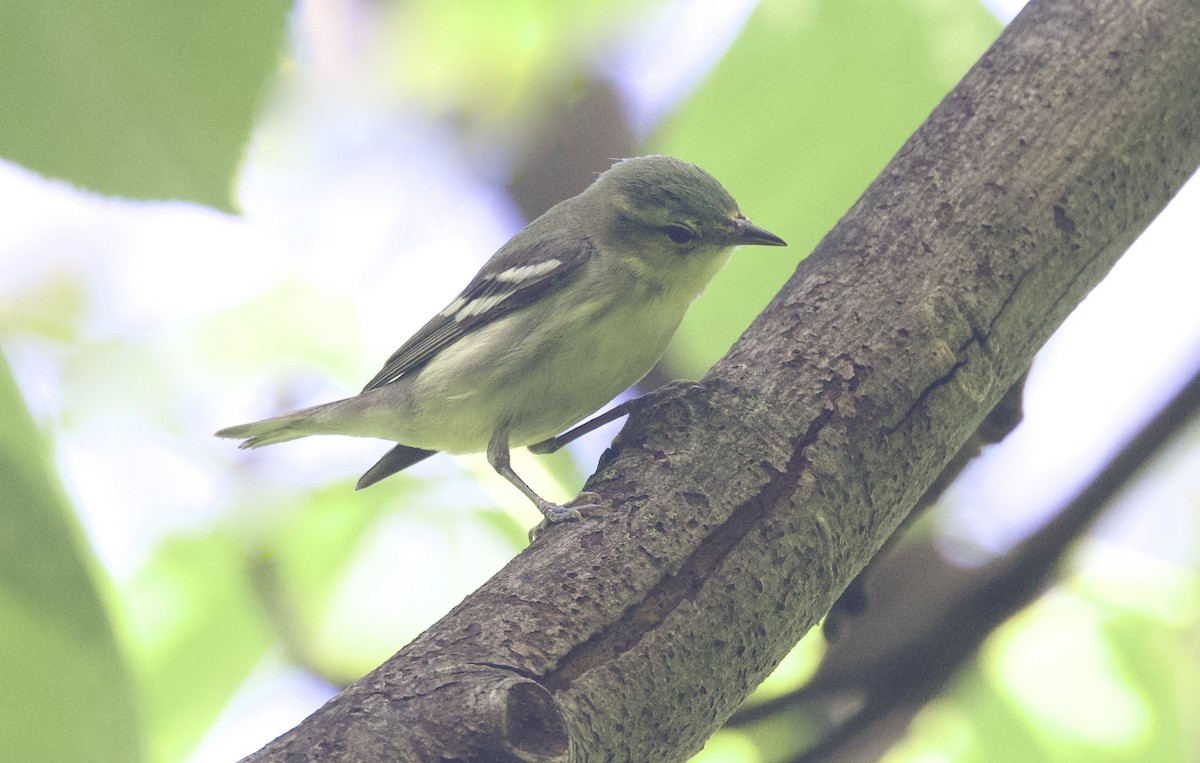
746,233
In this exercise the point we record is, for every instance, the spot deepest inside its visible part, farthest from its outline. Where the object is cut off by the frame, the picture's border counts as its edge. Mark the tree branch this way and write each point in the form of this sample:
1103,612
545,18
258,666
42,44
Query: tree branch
737,513
901,651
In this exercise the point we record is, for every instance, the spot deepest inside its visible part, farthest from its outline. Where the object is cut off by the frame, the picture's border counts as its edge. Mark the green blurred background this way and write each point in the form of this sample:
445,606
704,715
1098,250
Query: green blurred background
214,212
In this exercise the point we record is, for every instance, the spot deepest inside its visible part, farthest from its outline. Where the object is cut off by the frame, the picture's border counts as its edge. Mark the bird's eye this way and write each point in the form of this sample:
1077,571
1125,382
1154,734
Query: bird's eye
680,234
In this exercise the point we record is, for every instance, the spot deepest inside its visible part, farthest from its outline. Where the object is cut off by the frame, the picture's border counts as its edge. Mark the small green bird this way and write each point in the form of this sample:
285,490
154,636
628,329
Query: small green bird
573,310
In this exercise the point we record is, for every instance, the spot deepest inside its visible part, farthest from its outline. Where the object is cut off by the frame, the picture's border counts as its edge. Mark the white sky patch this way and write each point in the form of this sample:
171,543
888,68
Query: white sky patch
133,486
274,698
1004,10
147,264
671,55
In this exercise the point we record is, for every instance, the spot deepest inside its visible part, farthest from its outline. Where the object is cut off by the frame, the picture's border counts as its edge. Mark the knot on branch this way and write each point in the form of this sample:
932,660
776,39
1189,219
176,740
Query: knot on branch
528,721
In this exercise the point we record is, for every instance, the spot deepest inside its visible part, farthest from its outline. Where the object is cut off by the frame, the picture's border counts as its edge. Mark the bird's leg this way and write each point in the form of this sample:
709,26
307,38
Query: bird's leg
592,424
612,414
497,456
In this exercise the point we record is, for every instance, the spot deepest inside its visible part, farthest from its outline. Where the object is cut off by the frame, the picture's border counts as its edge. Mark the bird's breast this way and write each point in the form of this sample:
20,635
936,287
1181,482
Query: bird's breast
542,369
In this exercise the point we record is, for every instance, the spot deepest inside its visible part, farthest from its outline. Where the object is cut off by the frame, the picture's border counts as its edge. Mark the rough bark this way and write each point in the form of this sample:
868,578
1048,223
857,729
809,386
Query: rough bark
895,655
736,513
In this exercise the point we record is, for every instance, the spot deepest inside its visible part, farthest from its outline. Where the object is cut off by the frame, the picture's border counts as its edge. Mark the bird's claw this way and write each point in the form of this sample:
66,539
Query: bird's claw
679,387
556,513
568,512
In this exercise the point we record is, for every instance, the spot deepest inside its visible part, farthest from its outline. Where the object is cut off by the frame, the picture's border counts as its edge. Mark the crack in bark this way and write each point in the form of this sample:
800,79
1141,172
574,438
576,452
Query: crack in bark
936,384
674,588
1080,275
1008,300
522,672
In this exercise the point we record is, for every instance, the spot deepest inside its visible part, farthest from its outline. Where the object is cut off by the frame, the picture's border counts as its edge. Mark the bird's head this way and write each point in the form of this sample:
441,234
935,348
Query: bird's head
670,215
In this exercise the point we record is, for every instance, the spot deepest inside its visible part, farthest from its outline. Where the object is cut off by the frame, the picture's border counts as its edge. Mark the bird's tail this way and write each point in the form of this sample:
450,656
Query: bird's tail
289,426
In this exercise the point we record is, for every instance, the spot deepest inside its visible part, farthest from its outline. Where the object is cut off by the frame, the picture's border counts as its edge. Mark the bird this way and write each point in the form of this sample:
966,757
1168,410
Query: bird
573,310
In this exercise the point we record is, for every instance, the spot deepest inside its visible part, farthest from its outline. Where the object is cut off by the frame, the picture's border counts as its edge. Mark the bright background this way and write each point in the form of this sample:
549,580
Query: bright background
166,597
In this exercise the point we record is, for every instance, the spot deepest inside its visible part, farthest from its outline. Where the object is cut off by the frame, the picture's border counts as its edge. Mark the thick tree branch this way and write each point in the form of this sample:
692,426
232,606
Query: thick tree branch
901,652
737,513
997,425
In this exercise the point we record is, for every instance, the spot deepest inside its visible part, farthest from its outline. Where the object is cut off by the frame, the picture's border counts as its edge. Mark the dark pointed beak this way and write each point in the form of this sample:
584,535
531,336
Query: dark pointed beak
746,233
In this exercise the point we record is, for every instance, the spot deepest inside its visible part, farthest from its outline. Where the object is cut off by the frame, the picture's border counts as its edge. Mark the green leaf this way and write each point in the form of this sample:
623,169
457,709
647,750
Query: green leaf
497,58
196,628
136,98
1158,662
67,694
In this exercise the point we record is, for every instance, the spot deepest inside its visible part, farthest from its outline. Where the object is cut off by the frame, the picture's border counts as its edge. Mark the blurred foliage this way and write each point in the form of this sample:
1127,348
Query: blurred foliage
156,100
195,629
136,98
67,691
501,62
1076,677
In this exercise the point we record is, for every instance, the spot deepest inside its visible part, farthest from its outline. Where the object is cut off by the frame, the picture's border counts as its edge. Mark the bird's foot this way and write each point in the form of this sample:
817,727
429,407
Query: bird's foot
677,388
568,512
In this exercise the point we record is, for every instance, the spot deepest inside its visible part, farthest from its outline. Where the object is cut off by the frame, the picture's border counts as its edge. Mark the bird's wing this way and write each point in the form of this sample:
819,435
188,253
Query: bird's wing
516,276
